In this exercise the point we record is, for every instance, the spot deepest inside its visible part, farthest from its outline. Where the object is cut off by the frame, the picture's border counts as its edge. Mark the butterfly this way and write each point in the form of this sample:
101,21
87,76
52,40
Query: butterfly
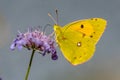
77,40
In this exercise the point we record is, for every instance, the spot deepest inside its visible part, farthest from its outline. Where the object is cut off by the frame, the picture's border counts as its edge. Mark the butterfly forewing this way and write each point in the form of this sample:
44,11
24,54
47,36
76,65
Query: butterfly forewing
93,27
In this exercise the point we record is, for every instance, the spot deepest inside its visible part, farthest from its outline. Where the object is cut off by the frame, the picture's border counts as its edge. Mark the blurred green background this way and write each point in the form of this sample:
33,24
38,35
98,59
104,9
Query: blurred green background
21,14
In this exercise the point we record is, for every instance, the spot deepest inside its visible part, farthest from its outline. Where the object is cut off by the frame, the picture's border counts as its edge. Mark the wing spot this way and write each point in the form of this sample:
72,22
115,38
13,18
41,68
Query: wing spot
79,44
91,36
63,38
95,19
82,26
80,57
74,57
91,18
83,35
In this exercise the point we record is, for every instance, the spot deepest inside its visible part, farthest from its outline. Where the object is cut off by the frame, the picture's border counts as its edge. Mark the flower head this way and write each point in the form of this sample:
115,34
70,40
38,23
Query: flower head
35,40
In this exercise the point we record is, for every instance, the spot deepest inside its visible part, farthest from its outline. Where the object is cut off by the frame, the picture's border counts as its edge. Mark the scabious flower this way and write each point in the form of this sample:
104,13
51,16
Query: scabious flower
35,40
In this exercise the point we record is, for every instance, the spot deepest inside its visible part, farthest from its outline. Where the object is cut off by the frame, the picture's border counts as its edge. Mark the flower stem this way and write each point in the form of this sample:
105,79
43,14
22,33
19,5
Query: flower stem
28,70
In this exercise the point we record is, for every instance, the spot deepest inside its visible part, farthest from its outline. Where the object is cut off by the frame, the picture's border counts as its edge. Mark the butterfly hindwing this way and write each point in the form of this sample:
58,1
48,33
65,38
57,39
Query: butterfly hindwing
76,49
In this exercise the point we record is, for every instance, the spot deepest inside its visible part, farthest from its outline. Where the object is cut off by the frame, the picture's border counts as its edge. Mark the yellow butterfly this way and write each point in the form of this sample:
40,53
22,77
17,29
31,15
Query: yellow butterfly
77,40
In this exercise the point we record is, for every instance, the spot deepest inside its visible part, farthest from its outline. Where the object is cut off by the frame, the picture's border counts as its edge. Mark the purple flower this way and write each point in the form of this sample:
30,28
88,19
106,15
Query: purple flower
35,40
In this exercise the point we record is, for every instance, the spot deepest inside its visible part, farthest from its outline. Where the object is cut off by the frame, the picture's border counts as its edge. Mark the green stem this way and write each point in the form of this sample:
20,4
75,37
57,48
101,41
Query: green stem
28,70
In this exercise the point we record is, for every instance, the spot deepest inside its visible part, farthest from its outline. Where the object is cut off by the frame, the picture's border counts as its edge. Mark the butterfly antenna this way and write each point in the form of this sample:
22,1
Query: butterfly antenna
56,12
52,18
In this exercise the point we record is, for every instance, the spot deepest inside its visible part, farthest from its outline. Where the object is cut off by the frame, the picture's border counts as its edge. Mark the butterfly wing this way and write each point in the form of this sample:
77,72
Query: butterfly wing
77,40
93,27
